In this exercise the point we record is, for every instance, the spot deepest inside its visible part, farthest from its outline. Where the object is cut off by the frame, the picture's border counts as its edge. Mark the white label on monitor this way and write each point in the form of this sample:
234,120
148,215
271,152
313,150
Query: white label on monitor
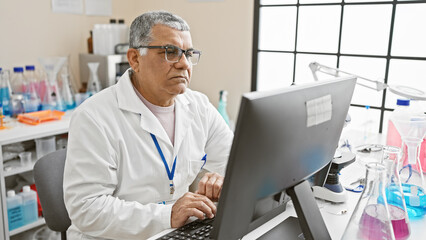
318,110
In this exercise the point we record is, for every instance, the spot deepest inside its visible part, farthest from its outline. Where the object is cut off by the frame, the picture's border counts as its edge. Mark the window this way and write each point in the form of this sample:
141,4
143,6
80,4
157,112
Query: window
380,39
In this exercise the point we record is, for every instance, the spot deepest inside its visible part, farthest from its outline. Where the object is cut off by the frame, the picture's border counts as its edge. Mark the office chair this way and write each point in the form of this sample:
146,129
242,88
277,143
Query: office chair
48,176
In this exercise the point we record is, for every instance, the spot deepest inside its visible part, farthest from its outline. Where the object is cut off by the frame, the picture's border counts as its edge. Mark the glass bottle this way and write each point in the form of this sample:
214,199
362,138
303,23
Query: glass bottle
5,92
371,218
394,193
18,81
32,101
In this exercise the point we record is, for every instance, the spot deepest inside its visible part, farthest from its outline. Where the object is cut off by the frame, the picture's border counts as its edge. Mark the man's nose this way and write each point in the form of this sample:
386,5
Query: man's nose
183,62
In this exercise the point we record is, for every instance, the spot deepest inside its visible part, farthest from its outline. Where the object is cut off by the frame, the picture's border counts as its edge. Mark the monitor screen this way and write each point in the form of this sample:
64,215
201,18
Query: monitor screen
282,138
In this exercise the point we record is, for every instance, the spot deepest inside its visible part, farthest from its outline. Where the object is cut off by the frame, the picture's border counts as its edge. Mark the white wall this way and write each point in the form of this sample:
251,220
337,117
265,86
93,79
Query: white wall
221,29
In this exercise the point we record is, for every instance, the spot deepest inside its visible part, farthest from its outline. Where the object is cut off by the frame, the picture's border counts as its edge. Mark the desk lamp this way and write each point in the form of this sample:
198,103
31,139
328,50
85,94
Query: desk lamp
404,91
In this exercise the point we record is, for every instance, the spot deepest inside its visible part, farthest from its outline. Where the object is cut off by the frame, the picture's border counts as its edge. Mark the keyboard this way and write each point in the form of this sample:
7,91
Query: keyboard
198,229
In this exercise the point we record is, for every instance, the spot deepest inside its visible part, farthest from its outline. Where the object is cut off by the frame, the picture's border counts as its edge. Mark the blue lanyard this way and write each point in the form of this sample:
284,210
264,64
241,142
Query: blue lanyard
170,174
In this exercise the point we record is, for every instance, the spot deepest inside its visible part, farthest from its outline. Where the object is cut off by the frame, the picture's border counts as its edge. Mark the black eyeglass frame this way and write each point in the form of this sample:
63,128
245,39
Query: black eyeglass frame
180,52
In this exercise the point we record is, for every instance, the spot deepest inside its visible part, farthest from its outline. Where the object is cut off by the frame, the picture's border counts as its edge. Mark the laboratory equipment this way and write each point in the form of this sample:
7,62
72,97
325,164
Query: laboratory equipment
110,66
52,98
394,192
16,104
93,86
45,145
25,158
29,205
15,214
222,105
332,190
371,218
19,84
5,92
67,92
403,91
32,100
412,129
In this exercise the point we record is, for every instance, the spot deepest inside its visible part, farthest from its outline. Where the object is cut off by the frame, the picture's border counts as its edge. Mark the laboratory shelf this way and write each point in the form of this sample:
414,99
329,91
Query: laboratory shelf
13,167
17,132
27,227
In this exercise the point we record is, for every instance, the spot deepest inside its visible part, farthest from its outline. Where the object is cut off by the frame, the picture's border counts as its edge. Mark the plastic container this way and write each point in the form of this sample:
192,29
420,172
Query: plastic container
29,205
19,84
45,145
15,215
25,158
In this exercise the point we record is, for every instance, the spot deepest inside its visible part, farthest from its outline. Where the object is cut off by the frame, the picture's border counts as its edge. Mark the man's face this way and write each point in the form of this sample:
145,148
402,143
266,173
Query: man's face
158,78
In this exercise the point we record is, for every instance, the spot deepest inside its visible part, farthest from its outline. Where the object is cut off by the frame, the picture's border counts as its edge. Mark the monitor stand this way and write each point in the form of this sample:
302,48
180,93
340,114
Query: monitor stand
308,225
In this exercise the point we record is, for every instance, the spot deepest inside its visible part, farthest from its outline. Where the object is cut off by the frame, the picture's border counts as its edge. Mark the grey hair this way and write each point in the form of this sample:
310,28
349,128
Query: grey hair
141,28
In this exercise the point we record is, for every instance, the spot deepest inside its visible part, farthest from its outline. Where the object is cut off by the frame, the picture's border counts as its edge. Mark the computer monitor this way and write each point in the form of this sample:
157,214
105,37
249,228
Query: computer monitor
282,138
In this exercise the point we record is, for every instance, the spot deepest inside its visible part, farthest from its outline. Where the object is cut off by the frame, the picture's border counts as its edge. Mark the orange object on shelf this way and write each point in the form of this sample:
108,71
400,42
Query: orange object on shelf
35,118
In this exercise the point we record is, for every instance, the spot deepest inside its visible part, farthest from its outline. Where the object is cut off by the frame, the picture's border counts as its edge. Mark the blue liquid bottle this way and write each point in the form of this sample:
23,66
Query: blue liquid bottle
5,92
14,210
29,205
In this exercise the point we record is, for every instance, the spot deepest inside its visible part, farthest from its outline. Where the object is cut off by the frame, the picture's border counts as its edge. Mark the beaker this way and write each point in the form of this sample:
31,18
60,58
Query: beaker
394,193
93,85
371,218
52,98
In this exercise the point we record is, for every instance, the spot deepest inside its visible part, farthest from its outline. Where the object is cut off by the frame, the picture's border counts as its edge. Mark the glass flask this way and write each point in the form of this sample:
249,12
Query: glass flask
412,129
394,193
52,97
5,92
67,92
371,217
93,85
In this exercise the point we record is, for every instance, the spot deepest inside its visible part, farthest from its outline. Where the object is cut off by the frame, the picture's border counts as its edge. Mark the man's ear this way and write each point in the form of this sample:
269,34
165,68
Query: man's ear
132,57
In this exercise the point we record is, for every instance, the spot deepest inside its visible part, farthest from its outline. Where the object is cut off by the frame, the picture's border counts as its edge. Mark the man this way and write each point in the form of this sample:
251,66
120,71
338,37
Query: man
134,148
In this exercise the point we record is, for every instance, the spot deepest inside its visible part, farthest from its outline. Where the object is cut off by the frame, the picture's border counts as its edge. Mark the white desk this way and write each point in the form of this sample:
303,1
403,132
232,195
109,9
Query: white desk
336,216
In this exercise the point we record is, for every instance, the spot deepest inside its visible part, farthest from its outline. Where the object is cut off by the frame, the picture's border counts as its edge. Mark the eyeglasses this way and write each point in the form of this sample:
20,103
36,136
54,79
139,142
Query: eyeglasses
174,54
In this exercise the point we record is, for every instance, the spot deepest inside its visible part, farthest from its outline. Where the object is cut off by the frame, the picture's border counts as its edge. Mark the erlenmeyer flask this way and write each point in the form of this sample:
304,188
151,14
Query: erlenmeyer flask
67,93
371,218
394,193
52,98
93,85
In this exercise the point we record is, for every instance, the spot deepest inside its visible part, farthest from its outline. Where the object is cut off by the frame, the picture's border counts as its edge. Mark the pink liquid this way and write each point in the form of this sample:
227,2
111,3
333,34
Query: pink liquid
394,139
373,223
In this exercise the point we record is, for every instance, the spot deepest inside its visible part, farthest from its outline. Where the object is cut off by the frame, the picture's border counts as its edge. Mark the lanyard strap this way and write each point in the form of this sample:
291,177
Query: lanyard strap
171,174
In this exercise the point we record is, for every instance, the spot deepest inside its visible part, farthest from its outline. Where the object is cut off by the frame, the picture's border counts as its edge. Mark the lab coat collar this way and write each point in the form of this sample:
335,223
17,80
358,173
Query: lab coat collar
129,101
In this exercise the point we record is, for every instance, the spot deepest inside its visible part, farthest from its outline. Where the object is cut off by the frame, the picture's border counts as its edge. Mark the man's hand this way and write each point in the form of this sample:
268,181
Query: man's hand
210,186
191,204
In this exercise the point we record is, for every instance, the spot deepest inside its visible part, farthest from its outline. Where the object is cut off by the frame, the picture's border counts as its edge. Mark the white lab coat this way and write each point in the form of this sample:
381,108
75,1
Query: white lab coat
114,178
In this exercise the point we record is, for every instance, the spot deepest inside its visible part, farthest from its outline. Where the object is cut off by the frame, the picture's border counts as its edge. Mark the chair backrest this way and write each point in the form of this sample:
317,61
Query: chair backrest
48,176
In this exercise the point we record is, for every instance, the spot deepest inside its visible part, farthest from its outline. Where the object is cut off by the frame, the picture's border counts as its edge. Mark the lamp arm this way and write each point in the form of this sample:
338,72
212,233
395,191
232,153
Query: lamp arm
316,67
